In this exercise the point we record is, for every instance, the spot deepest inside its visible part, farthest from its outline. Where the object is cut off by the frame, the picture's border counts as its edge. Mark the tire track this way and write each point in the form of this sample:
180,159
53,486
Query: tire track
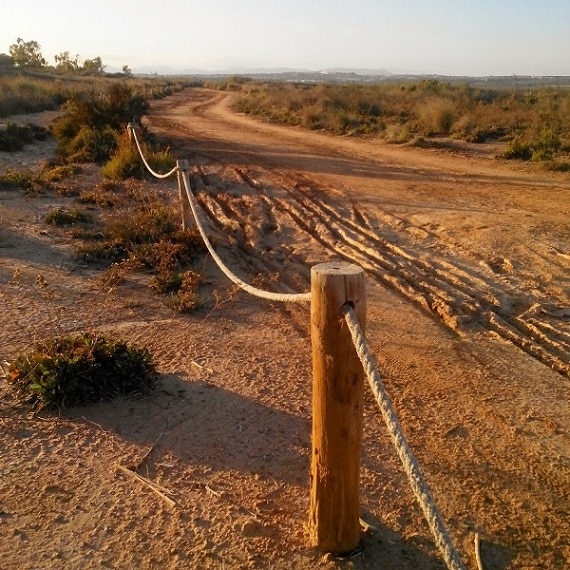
460,294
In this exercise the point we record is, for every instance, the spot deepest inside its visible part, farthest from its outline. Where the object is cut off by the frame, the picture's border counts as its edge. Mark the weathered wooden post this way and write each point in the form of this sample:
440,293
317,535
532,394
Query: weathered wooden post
184,203
131,127
338,386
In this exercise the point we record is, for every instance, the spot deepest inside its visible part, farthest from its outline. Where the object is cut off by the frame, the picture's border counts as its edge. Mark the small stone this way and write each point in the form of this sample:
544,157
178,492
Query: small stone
248,527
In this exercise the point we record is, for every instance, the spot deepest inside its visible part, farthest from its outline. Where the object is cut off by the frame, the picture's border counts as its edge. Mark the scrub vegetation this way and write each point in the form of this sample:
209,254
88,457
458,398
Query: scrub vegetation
534,122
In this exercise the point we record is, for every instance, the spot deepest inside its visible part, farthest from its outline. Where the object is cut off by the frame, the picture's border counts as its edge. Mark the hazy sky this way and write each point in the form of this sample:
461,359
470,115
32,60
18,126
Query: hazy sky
452,37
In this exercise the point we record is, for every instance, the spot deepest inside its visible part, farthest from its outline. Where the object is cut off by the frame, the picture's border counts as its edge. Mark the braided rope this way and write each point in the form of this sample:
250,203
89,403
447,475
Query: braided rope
291,298
410,463
155,174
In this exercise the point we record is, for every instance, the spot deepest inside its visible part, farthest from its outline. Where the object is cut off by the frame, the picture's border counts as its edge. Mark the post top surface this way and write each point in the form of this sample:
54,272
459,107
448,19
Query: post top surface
337,268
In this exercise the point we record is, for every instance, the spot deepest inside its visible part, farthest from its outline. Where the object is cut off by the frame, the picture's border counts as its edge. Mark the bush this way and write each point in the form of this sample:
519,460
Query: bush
14,137
540,149
149,234
88,132
186,299
127,163
91,144
63,217
14,179
75,370
51,173
397,134
437,116
518,150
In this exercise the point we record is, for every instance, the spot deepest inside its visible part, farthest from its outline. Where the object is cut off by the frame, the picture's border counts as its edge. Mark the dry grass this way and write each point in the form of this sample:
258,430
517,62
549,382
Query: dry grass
399,112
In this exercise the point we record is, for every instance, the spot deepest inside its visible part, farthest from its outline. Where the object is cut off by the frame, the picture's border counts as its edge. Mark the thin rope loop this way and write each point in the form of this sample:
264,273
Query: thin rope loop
284,297
409,462
155,174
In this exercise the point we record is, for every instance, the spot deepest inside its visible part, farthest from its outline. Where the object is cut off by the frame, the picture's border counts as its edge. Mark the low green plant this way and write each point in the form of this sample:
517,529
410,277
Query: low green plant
97,197
75,370
537,149
186,298
51,173
65,217
14,137
518,150
14,179
147,232
167,281
127,163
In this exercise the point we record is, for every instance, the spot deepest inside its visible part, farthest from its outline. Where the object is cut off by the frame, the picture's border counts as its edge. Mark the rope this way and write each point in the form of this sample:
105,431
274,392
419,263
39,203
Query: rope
291,298
155,174
410,463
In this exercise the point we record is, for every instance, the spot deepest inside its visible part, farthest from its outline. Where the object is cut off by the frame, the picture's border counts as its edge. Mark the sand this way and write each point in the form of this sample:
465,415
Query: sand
467,260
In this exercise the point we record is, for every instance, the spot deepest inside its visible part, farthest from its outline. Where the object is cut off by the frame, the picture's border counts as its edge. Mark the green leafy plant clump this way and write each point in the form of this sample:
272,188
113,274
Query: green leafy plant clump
63,217
75,370
14,179
14,137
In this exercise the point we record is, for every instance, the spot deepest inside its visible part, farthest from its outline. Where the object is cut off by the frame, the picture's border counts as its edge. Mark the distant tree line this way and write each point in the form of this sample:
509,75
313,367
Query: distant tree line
28,55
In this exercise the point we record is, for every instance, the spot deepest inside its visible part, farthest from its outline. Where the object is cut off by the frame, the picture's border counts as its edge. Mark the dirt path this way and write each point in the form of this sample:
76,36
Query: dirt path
467,261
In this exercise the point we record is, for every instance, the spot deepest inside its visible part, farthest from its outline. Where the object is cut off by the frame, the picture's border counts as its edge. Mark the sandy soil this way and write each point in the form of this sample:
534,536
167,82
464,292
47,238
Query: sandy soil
467,260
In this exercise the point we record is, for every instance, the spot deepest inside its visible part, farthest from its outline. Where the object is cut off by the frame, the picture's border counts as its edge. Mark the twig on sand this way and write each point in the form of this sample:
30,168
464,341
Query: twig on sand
211,491
159,490
201,367
142,459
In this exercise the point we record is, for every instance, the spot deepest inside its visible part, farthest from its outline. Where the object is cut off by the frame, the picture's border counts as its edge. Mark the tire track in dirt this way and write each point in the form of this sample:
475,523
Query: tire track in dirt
425,265
462,295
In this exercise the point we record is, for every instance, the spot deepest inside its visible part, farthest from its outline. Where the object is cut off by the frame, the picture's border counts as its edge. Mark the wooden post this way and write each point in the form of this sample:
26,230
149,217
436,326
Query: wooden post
184,203
130,128
338,386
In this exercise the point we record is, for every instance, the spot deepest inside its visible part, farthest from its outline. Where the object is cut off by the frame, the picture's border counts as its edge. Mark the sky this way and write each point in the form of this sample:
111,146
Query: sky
443,37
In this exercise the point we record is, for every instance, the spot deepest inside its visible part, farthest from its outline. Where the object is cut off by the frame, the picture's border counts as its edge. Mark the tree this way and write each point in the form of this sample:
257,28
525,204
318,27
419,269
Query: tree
27,54
127,70
94,65
65,63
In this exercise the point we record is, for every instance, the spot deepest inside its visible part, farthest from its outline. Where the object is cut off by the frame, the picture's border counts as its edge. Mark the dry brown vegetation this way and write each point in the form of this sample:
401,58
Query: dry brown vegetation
535,121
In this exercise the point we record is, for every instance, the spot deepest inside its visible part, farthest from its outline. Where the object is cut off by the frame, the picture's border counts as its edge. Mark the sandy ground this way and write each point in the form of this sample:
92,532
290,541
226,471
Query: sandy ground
467,260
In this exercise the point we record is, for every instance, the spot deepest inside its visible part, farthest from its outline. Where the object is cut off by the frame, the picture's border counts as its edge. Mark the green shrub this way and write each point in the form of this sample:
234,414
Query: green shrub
437,116
167,281
14,179
14,137
547,146
127,163
75,370
89,130
97,197
91,144
539,149
186,299
63,217
518,150
56,173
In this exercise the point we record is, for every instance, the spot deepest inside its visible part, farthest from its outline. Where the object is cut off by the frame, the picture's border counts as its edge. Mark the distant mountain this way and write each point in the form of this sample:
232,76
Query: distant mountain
245,70
350,75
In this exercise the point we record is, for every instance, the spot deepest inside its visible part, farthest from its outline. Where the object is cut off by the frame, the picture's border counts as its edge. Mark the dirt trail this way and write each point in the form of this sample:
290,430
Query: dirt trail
467,261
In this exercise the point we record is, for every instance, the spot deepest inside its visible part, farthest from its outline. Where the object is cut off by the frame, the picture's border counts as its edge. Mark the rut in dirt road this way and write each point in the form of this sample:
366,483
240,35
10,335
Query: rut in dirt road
464,292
